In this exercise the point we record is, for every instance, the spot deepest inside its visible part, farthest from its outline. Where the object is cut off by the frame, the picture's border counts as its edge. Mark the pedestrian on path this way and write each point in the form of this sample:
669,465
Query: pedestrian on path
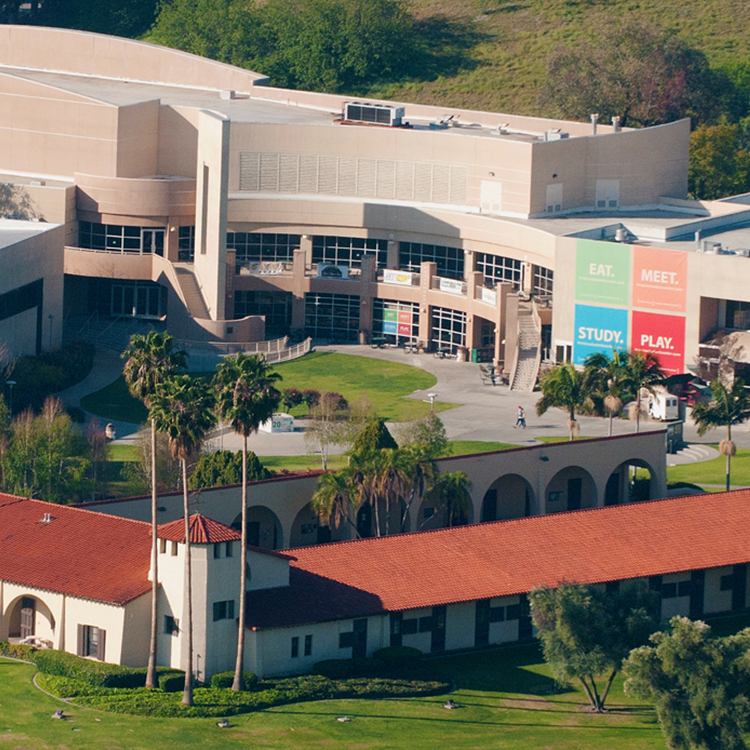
520,418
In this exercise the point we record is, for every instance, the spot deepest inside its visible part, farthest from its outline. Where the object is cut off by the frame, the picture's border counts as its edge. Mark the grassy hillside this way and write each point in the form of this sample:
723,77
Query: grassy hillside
500,46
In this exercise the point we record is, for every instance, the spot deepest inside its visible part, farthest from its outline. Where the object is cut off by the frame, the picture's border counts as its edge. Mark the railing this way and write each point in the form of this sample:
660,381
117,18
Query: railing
397,277
263,268
311,269
486,295
275,350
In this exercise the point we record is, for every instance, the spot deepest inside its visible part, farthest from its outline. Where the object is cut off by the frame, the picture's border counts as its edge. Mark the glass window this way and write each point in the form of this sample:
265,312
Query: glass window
255,247
332,316
543,281
496,268
448,328
449,260
348,251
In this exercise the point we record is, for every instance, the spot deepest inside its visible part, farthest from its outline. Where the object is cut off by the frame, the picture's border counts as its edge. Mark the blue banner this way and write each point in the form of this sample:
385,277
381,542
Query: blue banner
599,329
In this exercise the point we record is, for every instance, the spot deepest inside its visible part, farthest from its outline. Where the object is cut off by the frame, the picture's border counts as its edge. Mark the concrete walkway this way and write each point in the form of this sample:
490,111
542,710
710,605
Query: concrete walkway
485,413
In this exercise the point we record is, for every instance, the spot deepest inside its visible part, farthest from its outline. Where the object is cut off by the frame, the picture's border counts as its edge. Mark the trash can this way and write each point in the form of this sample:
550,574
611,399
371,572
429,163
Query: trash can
475,355
461,353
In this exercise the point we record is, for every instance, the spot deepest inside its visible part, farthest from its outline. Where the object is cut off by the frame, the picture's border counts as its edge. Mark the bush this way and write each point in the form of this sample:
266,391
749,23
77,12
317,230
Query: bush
17,651
399,659
172,682
92,673
226,679
363,666
334,669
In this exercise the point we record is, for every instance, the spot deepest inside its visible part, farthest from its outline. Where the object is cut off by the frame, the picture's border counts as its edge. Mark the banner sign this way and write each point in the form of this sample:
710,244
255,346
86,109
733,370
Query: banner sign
390,322
398,277
664,335
599,329
329,271
452,286
659,279
489,296
602,272
262,268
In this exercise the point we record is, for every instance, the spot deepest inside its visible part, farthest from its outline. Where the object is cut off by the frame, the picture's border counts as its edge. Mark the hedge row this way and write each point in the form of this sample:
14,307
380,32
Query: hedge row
223,680
226,702
394,661
95,673
16,651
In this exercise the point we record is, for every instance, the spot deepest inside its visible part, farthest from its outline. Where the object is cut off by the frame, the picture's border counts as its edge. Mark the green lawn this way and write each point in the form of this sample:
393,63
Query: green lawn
384,383
467,447
714,471
503,695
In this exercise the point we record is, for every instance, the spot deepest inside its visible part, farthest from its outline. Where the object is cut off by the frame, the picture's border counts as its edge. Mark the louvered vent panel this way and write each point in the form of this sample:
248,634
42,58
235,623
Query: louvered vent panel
441,183
308,174
386,179
288,173
366,177
269,173
405,180
249,171
459,180
327,174
422,182
347,176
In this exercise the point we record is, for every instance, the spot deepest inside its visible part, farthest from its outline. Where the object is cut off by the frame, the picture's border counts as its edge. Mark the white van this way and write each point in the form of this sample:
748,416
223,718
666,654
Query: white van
663,406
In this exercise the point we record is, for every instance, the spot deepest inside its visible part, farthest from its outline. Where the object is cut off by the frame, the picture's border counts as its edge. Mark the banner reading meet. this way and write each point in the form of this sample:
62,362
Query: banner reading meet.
664,335
659,279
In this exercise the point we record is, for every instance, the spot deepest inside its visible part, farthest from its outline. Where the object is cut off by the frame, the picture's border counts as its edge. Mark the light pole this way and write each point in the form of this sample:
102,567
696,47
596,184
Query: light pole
10,384
432,397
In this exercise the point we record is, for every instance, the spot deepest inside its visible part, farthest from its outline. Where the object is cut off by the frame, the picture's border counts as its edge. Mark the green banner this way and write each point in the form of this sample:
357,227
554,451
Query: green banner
390,315
602,272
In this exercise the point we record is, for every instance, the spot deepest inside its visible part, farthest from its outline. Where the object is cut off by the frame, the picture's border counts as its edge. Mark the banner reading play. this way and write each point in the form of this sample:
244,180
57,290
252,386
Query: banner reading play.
659,279
599,329
664,335
602,272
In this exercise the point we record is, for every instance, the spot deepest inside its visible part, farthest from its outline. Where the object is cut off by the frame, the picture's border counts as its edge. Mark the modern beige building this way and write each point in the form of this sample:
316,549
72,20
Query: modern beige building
192,193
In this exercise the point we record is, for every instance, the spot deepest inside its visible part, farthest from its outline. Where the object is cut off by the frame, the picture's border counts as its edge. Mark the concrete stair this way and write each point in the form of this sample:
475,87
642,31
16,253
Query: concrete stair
191,292
529,346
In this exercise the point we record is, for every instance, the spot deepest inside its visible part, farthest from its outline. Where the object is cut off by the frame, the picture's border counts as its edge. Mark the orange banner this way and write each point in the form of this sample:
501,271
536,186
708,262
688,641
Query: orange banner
659,279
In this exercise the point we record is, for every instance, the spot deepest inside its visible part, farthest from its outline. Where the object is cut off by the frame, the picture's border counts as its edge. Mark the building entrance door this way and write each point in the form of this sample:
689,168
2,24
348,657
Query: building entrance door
28,616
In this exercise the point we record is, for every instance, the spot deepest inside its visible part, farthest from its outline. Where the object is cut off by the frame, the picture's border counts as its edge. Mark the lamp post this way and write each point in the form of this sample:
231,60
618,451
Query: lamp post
10,384
432,397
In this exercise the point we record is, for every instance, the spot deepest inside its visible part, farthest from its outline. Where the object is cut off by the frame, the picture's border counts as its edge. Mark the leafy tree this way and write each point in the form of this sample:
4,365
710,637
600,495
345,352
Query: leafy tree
587,632
719,162
247,397
642,371
699,685
452,493
138,473
429,433
337,497
224,467
291,397
565,387
327,424
183,408
311,397
374,437
130,19
641,73
149,361
730,406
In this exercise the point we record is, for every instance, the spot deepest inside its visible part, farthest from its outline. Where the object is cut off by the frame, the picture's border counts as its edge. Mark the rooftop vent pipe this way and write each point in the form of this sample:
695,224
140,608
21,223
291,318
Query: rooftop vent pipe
594,122
616,124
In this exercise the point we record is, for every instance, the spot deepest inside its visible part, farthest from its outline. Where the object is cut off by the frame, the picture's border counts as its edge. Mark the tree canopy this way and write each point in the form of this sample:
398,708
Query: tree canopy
699,684
225,467
586,632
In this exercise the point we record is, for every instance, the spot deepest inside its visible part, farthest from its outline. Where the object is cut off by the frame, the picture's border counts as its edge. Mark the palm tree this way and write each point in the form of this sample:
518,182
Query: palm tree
729,406
148,361
246,398
565,387
337,497
183,408
642,370
452,491
607,375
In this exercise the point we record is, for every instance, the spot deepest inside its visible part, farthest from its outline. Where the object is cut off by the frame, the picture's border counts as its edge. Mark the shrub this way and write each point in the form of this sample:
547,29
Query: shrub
224,467
334,669
311,397
292,397
363,666
226,679
399,659
92,673
172,682
17,651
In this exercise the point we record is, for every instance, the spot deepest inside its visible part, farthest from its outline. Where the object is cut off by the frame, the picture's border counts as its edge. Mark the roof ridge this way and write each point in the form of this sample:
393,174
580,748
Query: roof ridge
81,510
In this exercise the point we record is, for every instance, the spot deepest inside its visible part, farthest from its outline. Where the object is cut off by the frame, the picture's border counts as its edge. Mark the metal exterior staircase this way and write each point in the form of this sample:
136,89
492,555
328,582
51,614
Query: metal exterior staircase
526,369
191,292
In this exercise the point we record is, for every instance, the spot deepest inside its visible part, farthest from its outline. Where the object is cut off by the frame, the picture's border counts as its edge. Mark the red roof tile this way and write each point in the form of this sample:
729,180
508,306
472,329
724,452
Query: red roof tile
407,571
78,552
203,530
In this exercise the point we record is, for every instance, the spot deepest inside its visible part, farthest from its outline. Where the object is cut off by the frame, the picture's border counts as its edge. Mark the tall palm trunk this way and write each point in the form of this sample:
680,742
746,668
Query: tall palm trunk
729,451
237,683
187,695
151,669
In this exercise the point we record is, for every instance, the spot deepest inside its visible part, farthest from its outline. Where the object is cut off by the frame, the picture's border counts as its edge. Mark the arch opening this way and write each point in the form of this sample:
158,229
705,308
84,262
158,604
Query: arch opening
509,496
263,528
572,488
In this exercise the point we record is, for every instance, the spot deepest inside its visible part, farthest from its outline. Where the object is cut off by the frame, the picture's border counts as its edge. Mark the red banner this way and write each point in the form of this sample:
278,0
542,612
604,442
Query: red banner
664,335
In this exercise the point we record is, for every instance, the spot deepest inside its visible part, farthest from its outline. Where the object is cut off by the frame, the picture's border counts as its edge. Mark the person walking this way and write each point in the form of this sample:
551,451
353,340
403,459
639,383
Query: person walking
520,418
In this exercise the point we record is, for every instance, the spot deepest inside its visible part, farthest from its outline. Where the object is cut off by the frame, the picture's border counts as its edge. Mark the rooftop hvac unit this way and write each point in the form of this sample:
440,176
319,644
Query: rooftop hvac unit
376,114
555,135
